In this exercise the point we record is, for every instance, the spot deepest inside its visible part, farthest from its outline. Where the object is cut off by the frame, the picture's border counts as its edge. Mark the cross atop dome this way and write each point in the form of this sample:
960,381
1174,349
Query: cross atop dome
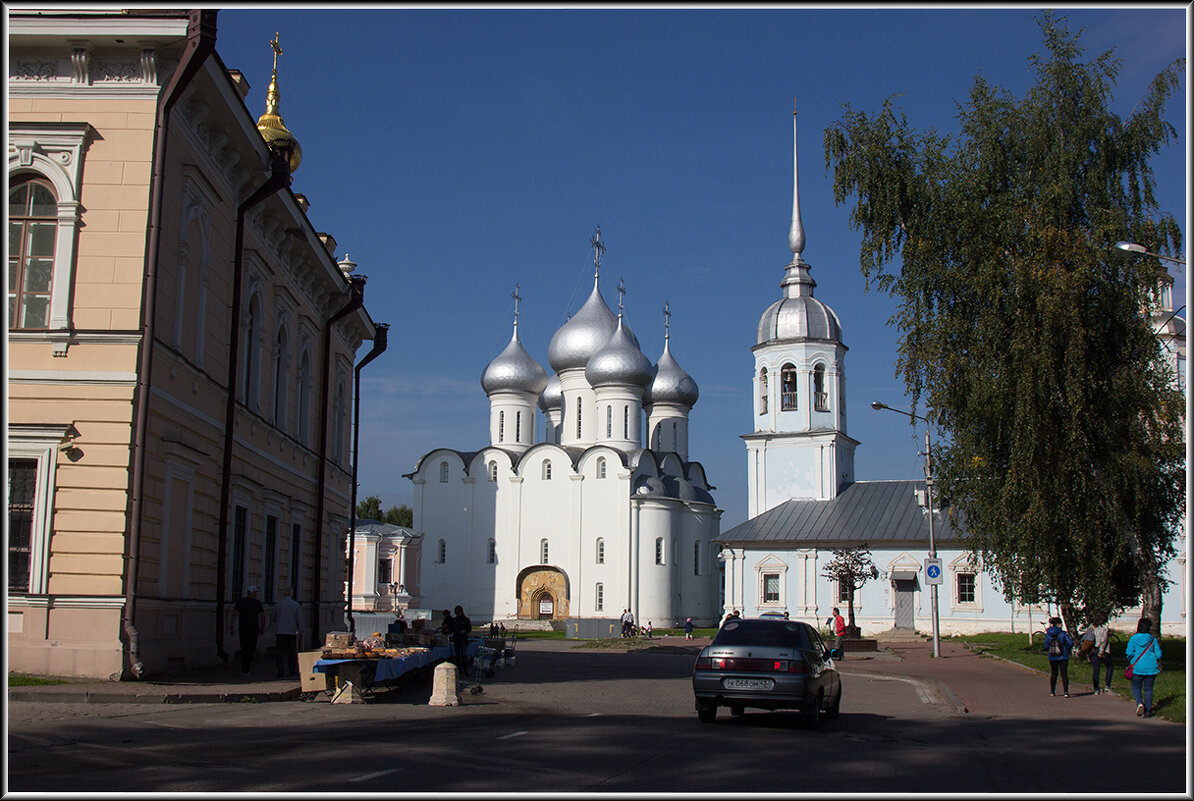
598,249
667,320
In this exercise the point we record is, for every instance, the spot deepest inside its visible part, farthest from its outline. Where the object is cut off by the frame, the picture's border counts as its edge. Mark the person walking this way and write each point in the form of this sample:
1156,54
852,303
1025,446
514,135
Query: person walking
839,630
1058,643
1144,660
287,625
688,629
250,613
1099,637
462,627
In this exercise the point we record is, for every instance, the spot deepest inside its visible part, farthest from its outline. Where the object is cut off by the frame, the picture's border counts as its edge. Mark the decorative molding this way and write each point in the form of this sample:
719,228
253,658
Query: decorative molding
36,70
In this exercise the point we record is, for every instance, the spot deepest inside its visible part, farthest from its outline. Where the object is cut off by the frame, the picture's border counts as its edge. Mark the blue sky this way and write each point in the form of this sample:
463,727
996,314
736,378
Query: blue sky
453,153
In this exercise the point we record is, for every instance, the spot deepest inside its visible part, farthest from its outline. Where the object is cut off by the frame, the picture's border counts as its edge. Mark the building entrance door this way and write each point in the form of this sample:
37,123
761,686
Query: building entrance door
905,585
545,605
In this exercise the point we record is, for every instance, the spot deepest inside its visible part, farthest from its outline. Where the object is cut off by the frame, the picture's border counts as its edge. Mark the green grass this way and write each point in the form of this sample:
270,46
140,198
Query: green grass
21,680
1169,690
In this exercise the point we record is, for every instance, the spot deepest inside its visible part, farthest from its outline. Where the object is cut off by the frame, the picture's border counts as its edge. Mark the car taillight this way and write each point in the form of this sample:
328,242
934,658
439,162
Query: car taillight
703,663
796,666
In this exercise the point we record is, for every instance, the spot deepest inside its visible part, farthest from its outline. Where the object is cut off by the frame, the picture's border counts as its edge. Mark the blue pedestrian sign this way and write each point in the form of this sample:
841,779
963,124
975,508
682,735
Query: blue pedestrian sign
932,571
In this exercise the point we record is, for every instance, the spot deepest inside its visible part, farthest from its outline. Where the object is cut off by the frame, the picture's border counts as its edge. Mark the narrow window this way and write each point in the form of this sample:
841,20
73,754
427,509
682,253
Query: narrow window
518,426
281,377
491,469
600,551
609,422
600,594
763,390
251,333
787,380
304,399
675,438
443,552
578,418
492,551
770,588
501,426
843,592
966,593
296,541
547,470
385,572
22,492
820,396
240,530
659,550
32,233
341,412
443,472
543,552
601,468
270,558
696,558
625,422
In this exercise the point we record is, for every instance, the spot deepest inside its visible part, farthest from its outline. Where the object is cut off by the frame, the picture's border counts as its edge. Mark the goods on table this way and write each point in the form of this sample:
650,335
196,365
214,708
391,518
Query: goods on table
361,651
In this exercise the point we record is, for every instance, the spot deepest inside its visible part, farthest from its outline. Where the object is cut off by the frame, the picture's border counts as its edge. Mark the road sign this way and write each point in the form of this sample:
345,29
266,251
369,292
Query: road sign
932,571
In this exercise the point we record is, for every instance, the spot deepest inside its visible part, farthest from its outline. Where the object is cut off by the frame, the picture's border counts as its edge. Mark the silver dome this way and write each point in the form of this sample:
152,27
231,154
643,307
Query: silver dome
514,371
553,394
671,383
798,315
620,362
582,336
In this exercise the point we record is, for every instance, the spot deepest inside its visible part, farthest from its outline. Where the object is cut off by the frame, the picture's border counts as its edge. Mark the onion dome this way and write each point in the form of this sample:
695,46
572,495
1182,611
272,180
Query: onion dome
514,370
270,123
579,339
553,394
620,362
671,384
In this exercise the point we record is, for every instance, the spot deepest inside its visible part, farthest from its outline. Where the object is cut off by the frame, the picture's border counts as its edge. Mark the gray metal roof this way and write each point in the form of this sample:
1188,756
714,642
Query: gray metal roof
873,512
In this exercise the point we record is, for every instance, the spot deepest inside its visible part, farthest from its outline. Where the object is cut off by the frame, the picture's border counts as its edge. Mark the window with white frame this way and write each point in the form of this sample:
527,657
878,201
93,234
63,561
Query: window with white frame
501,426
547,470
491,470
32,238
787,390
543,551
609,422
965,588
843,592
771,588
659,550
599,595
600,550
820,395
578,418
385,572
518,426
32,451
601,468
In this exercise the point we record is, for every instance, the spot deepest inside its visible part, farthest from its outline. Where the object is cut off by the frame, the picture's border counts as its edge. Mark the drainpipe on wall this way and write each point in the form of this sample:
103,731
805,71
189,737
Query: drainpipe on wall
380,341
201,42
355,301
279,178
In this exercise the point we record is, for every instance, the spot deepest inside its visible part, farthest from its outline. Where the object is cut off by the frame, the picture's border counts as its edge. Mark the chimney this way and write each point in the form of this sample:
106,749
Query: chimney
329,242
240,82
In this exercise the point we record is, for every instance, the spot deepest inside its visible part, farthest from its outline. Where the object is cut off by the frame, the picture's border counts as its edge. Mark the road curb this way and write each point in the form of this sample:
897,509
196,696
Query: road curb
89,697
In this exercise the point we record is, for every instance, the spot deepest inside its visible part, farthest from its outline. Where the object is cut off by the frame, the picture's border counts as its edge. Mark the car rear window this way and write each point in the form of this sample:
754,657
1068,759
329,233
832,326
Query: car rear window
771,634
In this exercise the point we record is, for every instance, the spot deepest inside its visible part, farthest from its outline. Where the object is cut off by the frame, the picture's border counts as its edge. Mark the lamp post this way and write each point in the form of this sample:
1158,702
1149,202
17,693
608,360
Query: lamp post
1132,247
929,487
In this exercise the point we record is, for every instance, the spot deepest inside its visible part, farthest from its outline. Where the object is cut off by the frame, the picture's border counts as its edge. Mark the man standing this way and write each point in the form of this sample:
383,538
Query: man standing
625,622
839,628
287,624
461,628
251,615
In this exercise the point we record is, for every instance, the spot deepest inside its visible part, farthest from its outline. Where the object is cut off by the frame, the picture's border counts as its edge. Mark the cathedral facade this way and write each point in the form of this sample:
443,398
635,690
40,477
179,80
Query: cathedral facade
600,512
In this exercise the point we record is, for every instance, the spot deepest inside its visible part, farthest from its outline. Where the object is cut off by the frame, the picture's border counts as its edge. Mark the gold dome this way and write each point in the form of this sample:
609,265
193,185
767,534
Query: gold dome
270,123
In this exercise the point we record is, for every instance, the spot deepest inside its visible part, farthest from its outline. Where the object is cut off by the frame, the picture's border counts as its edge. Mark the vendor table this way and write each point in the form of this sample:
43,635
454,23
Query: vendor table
365,674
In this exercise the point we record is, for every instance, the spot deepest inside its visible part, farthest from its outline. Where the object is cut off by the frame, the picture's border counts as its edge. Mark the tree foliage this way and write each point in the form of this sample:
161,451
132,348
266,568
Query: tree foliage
1021,327
370,509
852,568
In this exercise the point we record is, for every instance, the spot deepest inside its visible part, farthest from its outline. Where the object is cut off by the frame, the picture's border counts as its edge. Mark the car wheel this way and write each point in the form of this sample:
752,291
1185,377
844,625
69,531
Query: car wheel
707,714
836,709
812,719
737,710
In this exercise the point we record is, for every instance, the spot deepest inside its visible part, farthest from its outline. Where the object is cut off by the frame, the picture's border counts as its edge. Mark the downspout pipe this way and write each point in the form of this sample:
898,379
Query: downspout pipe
355,301
201,42
279,179
380,340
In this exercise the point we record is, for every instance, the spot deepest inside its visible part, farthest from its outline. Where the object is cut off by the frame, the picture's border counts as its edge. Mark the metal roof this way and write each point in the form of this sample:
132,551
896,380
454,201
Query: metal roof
872,512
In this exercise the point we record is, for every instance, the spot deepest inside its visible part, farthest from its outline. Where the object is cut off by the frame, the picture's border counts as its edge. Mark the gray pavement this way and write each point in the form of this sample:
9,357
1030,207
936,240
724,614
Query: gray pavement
970,683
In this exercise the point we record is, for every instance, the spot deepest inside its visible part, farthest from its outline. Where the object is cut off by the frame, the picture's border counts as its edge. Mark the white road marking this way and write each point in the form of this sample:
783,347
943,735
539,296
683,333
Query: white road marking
374,775
513,734
593,715
927,696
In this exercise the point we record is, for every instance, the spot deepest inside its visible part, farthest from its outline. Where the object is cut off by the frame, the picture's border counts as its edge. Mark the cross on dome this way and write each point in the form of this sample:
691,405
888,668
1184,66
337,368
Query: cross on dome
621,294
598,249
277,50
517,298
667,320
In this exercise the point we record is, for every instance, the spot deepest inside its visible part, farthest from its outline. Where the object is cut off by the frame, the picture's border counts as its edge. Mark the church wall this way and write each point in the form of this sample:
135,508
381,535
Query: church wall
605,515
447,516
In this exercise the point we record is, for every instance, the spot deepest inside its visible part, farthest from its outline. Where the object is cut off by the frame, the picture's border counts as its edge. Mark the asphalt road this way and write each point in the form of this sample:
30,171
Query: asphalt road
568,721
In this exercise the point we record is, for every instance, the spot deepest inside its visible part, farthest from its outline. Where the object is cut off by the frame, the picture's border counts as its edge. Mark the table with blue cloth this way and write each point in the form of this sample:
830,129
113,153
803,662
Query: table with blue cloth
366,674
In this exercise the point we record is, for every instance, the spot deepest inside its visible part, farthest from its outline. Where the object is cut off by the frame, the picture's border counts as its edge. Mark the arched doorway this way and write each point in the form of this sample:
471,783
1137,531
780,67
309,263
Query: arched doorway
543,593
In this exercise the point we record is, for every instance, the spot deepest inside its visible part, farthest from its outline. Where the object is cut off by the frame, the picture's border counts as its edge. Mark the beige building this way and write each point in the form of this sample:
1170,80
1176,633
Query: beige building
144,496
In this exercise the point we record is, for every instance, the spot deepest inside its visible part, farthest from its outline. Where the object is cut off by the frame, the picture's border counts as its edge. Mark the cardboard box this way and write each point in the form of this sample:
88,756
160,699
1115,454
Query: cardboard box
338,639
311,681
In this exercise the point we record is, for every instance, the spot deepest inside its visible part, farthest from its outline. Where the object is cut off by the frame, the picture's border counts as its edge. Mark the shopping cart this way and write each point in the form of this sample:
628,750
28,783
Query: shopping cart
483,664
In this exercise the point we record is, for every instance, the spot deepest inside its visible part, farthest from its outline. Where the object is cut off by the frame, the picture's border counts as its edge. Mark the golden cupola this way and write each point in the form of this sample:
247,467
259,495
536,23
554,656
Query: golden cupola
270,123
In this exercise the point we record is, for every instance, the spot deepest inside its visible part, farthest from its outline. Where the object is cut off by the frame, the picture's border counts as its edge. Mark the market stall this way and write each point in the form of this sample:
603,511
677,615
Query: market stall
368,669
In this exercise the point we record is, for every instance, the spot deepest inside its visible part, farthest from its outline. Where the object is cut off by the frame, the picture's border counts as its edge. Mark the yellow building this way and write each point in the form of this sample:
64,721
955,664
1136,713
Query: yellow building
144,496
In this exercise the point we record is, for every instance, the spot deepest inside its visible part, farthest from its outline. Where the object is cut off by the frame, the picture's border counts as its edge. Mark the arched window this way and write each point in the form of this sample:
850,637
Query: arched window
443,552
547,470
601,468
443,472
578,418
250,348
543,551
304,398
491,470
518,426
659,550
281,376
609,422
625,422
763,390
787,380
341,411
501,426
599,595
492,551
696,558
32,233
600,550
820,396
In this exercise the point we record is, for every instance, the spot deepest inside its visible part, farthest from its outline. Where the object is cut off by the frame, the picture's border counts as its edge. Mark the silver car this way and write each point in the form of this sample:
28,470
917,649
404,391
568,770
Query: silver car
767,664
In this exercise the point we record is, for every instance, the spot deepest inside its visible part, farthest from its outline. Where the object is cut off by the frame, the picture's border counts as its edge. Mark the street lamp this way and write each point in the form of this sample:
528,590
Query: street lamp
929,487
1132,247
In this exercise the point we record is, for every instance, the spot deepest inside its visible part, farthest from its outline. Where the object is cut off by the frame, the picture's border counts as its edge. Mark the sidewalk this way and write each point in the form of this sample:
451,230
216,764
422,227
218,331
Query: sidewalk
973,684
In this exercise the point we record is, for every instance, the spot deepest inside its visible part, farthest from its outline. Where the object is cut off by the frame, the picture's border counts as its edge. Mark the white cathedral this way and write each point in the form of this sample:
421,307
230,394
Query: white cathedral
588,519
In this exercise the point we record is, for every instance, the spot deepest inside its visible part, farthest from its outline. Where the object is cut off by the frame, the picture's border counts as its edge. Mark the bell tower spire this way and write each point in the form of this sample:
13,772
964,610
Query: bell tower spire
796,231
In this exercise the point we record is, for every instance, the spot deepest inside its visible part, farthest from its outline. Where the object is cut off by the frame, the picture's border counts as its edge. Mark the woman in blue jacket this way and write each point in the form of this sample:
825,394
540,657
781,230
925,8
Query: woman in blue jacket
1144,655
1058,644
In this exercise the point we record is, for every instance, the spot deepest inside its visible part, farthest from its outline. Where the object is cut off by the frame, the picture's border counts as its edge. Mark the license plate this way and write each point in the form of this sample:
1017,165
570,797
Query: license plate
747,684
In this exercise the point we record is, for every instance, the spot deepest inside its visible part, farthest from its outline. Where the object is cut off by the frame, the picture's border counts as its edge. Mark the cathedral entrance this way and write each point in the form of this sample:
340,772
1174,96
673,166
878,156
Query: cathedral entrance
543,593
